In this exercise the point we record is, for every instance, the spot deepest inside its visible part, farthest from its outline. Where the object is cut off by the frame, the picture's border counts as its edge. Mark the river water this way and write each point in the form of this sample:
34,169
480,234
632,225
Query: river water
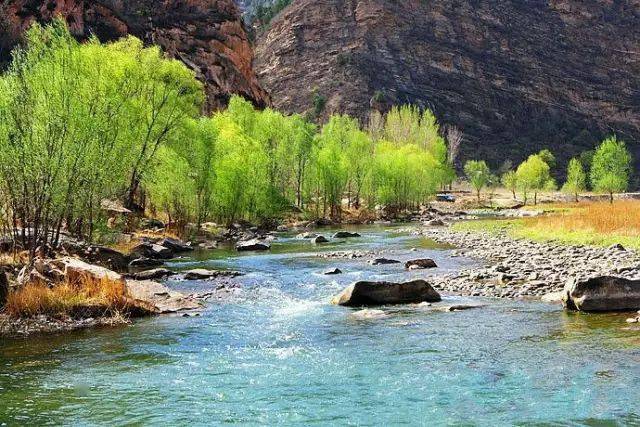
275,352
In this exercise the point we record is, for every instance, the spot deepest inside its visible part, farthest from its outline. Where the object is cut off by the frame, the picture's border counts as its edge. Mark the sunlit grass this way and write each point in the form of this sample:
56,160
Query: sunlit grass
86,297
598,224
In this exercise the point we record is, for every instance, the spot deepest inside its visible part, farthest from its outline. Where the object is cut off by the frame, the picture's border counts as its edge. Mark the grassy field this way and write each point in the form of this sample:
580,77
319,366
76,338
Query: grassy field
598,224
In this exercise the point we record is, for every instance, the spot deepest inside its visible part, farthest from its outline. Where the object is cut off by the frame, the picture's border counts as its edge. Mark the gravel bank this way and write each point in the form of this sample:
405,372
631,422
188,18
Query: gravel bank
520,268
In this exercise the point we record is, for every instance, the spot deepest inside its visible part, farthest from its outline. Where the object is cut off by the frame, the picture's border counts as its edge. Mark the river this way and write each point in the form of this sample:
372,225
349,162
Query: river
275,352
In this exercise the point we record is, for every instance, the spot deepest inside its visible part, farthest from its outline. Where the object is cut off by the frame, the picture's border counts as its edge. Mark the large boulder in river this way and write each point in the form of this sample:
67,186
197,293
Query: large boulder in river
252,245
319,240
366,293
151,250
345,235
603,293
417,264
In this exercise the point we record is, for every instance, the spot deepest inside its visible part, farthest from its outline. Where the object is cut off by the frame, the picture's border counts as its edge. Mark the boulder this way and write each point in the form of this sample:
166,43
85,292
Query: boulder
345,235
74,269
307,235
252,245
107,257
145,262
332,272
435,223
366,293
418,264
319,239
603,293
163,299
175,245
203,274
156,273
151,250
383,261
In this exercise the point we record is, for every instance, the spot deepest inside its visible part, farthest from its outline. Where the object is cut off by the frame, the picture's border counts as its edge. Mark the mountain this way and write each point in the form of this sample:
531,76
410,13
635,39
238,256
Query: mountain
516,76
207,35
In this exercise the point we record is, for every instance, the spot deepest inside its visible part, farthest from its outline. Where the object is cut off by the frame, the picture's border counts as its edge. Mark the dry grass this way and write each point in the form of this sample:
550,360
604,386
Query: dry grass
621,219
596,223
87,297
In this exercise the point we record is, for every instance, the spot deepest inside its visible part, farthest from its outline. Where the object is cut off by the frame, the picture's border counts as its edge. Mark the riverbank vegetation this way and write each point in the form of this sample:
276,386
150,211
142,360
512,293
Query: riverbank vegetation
87,297
81,123
589,223
84,122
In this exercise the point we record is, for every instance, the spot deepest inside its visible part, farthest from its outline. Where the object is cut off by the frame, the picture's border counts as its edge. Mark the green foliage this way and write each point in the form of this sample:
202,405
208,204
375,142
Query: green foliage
576,178
533,175
80,123
478,174
510,181
611,167
548,157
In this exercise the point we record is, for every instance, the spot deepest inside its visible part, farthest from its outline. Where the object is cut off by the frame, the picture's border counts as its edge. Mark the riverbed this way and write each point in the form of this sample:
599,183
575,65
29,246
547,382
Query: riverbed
274,351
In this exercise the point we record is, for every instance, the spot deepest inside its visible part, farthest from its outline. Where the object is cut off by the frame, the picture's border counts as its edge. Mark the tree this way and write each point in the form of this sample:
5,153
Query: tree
84,121
534,175
576,178
478,174
611,167
510,181
548,157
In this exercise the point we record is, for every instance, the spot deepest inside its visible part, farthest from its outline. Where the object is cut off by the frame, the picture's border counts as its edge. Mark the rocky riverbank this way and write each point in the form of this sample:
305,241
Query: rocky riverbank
518,268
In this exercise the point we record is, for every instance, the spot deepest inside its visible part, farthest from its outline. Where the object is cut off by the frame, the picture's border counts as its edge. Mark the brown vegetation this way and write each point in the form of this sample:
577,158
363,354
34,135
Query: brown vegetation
86,297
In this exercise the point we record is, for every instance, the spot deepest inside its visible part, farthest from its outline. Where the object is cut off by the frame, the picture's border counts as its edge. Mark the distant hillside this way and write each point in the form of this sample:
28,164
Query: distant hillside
516,76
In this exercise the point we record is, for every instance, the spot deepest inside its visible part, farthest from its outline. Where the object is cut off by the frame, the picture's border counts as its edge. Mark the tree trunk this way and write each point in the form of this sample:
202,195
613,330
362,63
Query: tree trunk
535,198
611,197
4,288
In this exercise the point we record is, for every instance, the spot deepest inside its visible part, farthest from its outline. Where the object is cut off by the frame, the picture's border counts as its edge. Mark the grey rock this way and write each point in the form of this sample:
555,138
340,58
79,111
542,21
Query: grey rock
345,235
252,245
365,293
418,264
603,293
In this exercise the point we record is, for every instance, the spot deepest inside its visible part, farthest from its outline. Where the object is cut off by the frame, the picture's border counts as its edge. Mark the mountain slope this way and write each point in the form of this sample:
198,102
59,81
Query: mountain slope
207,35
516,76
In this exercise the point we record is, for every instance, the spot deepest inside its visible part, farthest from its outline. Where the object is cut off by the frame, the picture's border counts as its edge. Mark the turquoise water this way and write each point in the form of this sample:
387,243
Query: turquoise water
278,353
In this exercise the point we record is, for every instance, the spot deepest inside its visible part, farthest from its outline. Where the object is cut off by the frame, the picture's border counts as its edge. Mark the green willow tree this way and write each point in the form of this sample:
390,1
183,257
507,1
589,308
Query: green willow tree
80,123
611,167
533,175
478,174
576,179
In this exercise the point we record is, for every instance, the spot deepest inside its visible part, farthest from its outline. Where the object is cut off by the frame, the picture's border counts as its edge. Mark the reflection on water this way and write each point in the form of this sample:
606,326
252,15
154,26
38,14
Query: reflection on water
277,353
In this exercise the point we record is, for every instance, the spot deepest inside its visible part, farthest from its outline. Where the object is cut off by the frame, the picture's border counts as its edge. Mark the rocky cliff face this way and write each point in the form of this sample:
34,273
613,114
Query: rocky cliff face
207,35
515,75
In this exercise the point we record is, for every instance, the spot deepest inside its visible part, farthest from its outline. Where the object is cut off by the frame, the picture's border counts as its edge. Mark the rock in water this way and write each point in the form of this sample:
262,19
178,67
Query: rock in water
156,273
332,272
383,261
319,239
203,274
417,264
175,245
252,245
379,293
604,293
345,235
151,250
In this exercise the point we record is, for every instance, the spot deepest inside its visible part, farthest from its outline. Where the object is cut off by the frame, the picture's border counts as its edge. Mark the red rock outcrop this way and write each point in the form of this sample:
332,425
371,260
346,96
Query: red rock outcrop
516,76
207,35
